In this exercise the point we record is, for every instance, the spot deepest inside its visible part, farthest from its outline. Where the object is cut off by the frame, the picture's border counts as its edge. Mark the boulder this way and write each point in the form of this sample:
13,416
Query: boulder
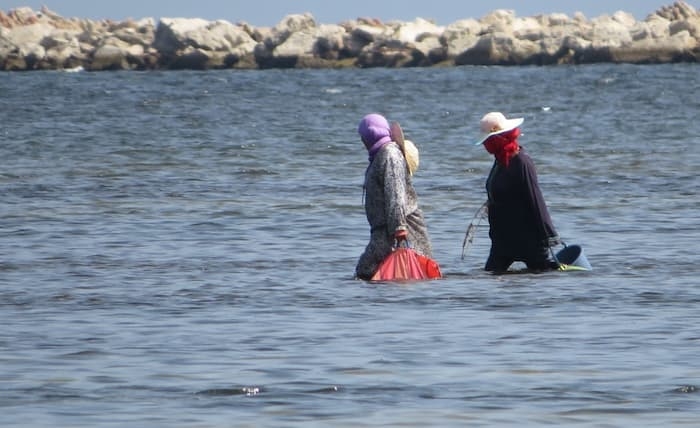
386,54
419,29
63,50
361,35
28,34
500,49
203,44
678,47
277,50
527,29
677,11
174,34
460,37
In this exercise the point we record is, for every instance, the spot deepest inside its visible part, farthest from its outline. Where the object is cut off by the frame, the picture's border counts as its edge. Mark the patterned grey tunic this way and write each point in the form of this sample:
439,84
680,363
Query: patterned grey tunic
391,203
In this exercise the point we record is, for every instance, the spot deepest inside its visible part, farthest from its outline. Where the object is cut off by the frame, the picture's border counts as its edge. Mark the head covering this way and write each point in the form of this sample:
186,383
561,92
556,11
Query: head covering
495,123
375,133
503,146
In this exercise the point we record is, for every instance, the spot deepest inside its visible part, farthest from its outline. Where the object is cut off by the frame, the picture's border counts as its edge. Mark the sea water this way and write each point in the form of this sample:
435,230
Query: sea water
177,250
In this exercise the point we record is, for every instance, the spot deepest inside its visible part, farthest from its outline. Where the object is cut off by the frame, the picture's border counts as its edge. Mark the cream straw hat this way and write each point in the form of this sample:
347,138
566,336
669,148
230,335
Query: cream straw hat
495,123
410,151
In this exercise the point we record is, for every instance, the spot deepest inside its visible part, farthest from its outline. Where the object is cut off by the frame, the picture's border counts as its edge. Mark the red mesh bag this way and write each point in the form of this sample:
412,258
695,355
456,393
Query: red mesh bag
404,264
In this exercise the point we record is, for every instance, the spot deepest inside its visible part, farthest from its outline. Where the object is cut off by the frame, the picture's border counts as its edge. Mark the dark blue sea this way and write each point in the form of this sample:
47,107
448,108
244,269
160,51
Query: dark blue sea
177,250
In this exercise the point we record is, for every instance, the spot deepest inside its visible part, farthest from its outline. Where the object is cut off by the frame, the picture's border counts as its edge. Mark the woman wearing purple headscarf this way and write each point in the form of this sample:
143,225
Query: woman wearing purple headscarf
391,202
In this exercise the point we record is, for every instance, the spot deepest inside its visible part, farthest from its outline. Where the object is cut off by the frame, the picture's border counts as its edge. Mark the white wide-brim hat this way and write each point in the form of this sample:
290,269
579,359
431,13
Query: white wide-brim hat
496,123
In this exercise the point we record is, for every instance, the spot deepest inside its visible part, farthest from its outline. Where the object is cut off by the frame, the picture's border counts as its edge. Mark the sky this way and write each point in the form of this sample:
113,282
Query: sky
267,13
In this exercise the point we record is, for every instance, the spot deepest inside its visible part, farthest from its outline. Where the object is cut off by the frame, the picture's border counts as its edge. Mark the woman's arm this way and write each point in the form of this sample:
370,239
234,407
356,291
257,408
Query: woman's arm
395,191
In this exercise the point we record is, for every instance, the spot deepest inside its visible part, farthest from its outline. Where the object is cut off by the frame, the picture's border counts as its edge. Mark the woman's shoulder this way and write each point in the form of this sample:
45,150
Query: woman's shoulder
523,158
393,147
390,151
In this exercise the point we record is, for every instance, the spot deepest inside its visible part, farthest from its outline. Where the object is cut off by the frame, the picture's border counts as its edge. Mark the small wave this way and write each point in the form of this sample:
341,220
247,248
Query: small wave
77,69
248,391
686,389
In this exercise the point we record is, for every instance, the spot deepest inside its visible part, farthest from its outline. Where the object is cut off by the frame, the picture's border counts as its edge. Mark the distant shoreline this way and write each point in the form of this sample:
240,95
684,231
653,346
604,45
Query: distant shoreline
44,40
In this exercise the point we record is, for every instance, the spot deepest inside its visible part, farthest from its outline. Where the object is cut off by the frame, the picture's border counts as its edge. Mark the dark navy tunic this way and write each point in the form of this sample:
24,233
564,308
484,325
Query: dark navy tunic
519,223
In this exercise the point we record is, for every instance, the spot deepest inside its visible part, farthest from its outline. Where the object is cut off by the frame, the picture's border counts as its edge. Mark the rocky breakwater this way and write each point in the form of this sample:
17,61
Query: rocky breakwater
41,40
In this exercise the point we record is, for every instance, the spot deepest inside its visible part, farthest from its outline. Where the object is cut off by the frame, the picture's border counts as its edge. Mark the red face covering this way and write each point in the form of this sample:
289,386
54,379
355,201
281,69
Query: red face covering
503,146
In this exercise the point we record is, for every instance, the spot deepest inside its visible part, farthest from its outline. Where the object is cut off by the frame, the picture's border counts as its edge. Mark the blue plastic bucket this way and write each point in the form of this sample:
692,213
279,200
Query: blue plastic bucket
572,256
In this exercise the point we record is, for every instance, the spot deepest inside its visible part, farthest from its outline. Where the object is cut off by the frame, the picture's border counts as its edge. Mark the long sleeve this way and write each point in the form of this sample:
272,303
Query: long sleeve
390,197
395,193
543,222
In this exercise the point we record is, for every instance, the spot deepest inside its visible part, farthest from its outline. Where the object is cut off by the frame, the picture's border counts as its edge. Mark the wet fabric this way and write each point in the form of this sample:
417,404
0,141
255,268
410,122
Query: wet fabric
390,202
520,226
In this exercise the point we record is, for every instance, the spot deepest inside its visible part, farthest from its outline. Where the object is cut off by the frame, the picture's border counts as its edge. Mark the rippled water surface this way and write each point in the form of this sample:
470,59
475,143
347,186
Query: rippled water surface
177,250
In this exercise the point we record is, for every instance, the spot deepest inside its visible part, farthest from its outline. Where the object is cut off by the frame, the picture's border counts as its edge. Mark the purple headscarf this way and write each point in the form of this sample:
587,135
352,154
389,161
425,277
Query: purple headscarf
375,133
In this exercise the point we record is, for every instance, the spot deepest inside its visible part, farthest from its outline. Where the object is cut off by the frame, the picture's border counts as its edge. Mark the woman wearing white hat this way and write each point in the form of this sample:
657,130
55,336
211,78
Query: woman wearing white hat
520,227
391,202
